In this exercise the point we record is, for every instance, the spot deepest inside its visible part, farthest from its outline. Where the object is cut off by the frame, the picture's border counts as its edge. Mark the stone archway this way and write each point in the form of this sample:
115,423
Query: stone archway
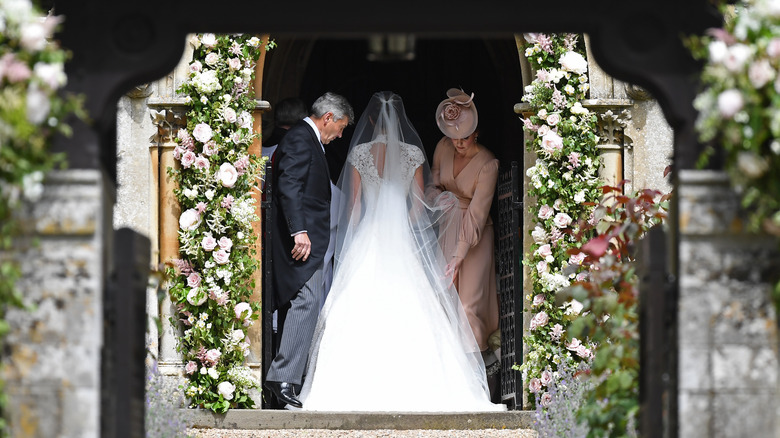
137,42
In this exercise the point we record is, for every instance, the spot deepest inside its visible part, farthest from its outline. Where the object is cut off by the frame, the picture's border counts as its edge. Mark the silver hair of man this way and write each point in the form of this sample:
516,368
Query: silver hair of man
333,103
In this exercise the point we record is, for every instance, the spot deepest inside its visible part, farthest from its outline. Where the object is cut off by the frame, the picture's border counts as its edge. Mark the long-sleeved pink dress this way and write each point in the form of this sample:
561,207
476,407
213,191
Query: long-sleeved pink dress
473,239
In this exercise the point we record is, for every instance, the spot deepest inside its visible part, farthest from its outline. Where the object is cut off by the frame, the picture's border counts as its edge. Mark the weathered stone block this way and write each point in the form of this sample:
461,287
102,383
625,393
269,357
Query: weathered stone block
695,363
695,414
744,367
742,414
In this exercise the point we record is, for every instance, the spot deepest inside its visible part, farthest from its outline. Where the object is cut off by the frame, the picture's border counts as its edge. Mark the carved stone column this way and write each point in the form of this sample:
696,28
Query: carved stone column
168,119
612,118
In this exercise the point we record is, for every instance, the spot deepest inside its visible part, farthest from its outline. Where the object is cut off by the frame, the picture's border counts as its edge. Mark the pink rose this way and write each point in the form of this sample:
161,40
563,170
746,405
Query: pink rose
546,377
773,49
539,320
208,243
201,163
545,212
210,148
202,132
196,67
243,310
543,130
574,344
552,142
228,175
538,300
535,385
191,367
188,159
583,352
556,332
577,259
562,220
193,280
212,357
541,267
544,251
225,243
221,256
553,119
546,399
234,64
760,72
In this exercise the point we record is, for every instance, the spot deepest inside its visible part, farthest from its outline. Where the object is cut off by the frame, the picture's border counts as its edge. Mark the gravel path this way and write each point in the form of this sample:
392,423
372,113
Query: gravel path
382,433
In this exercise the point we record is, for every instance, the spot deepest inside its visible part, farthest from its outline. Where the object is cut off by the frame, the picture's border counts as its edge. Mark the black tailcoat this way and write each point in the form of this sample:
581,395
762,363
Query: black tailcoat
301,199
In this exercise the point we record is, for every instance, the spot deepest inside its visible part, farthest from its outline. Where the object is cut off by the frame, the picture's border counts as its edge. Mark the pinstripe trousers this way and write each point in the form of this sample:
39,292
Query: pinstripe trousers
297,332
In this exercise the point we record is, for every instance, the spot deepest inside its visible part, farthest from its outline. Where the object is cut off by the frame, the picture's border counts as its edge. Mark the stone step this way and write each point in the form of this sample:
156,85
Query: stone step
259,419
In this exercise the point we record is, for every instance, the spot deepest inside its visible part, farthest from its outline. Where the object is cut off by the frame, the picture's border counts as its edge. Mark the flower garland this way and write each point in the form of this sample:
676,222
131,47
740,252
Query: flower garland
212,281
565,185
739,109
32,110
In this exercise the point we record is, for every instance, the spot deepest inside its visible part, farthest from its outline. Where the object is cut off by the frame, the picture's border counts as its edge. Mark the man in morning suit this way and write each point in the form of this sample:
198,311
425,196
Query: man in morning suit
301,234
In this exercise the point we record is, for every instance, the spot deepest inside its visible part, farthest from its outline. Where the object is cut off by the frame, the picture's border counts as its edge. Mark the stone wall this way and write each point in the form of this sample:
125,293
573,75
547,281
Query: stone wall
52,366
728,364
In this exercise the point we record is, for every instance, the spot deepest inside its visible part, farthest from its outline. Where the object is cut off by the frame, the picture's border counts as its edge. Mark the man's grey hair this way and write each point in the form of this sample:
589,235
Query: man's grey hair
333,103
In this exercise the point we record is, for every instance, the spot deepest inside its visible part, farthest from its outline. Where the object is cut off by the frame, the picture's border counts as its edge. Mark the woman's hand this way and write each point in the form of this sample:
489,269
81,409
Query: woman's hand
453,268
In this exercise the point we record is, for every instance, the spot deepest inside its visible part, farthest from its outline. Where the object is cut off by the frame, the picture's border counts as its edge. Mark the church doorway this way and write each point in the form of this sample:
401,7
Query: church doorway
490,68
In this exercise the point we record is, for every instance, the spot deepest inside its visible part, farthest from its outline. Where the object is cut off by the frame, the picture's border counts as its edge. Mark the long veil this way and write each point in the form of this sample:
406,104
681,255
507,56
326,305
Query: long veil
385,140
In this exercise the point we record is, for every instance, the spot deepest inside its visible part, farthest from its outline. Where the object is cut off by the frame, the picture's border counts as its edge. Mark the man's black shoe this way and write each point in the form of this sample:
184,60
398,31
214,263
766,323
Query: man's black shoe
284,392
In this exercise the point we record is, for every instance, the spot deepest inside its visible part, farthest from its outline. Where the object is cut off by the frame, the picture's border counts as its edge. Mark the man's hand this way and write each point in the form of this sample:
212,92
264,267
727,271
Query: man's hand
302,247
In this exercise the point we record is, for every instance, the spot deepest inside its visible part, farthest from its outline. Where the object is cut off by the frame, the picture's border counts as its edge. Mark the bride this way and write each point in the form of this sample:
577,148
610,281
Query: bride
392,335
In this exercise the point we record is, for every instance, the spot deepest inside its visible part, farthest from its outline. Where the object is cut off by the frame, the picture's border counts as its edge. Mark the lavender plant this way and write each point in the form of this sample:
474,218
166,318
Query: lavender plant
566,390
163,416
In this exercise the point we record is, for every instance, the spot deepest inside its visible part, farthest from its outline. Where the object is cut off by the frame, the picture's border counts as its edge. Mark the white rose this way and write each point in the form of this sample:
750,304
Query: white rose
579,197
189,220
234,64
539,235
213,373
230,115
212,59
209,40
562,220
225,389
228,175
543,130
196,296
573,62
33,36
730,102
38,105
52,75
553,119
737,57
577,108
718,51
195,41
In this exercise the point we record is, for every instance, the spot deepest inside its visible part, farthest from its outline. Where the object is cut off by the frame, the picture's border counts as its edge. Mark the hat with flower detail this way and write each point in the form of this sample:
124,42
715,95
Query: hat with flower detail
456,115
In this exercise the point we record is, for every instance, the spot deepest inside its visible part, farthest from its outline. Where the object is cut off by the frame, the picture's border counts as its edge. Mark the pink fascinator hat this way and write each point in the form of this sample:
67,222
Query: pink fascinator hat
456,115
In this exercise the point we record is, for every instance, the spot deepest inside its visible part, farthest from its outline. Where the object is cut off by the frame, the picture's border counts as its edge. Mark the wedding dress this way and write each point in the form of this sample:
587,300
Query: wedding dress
392,335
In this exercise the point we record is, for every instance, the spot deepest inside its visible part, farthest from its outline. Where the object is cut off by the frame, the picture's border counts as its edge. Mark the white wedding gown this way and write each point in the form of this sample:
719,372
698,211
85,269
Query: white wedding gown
385,340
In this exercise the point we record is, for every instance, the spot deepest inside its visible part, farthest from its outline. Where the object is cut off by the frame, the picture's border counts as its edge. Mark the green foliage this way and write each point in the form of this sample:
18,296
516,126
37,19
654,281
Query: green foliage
211,283
564,184
610,296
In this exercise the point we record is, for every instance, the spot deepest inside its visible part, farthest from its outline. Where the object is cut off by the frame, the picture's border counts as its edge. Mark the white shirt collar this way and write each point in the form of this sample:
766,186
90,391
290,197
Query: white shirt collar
316,131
